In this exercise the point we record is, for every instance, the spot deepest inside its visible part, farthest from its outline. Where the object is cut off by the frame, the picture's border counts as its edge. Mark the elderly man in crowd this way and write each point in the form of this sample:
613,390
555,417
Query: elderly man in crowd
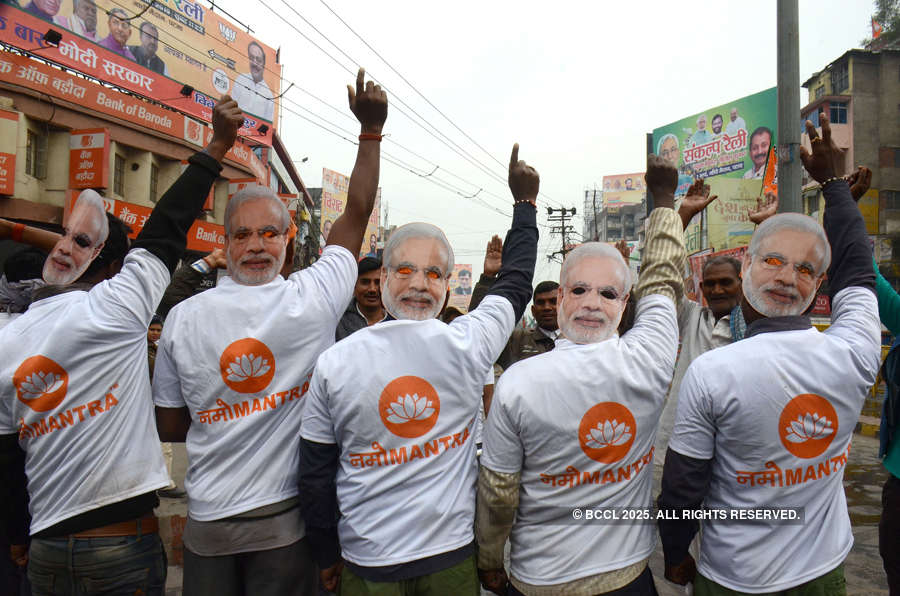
576,426
768,420
76,394
232,371
523,343
365,308
388,441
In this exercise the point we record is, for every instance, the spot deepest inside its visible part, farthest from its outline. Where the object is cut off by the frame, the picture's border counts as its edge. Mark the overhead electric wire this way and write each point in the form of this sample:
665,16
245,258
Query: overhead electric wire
419,93
412,169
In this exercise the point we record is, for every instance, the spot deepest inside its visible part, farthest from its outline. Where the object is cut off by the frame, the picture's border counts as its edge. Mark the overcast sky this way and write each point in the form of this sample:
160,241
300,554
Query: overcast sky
577,84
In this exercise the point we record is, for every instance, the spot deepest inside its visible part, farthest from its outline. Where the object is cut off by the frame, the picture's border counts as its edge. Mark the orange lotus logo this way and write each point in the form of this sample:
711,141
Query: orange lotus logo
409,407
807,425
247,365
86,140
40,383
606,432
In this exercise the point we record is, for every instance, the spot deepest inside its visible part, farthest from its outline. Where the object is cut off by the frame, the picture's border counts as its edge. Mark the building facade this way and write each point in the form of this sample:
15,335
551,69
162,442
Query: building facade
861,93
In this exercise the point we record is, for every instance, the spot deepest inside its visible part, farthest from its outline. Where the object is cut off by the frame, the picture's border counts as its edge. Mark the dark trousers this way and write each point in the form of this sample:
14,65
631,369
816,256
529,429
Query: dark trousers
285,571
642,585
889,533
80,566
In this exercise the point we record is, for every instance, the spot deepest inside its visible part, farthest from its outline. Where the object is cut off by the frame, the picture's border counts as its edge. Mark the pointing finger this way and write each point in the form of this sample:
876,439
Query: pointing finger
514,158
826,127
360,79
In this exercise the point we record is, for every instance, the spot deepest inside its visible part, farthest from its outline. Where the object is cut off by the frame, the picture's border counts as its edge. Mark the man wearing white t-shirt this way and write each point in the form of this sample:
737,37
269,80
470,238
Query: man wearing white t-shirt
575,427
387,455
75,393
767,421
232,372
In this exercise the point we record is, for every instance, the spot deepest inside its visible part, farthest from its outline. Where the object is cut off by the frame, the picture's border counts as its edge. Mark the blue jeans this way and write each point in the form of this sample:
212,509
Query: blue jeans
110,566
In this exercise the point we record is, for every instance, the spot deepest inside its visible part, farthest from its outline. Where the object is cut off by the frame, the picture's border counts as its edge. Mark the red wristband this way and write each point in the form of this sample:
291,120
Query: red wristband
366,136
529,201
17,232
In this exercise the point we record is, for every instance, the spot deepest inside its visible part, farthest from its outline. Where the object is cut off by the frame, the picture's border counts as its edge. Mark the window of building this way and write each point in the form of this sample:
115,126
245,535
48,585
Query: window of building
838,112
154,183
820,91
119,176
36,155
891,199
897,158
840,77
812,117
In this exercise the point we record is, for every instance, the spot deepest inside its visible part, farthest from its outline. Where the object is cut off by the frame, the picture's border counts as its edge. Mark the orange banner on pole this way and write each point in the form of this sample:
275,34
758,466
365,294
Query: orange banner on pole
769,183
89,158
9,132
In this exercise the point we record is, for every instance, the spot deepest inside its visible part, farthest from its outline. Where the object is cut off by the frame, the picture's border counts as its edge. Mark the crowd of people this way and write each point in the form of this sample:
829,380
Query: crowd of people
344,430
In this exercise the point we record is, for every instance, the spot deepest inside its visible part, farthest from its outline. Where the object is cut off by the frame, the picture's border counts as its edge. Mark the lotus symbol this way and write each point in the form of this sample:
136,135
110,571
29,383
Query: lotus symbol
246,367
808,427
409,408
40,383
608,434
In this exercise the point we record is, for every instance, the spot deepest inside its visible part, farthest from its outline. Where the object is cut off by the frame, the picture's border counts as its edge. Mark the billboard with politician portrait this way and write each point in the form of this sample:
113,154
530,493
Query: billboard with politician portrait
177,52
623,189
334,198
729,146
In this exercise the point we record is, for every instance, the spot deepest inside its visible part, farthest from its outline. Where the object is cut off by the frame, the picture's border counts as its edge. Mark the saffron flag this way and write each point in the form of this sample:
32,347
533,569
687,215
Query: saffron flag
769,178
876,28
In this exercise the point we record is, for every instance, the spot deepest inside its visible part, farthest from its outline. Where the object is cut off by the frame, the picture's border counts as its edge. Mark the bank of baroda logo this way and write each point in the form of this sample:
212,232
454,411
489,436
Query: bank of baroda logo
606,432
807,425
409,407
40,383
247,365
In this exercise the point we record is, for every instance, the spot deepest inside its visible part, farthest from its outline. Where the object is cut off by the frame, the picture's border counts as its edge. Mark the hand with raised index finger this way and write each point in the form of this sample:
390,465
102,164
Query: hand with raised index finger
524,181
368,103
227,120
824,160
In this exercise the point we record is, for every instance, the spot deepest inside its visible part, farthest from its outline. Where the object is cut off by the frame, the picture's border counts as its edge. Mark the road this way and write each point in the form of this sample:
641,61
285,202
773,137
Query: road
863,478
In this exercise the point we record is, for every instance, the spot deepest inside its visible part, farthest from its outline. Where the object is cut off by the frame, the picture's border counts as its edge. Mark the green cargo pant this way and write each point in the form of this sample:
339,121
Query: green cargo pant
459,580
830,584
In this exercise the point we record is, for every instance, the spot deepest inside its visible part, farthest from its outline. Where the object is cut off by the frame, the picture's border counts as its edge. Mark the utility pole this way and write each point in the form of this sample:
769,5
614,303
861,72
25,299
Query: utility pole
596,235
789,172
563,228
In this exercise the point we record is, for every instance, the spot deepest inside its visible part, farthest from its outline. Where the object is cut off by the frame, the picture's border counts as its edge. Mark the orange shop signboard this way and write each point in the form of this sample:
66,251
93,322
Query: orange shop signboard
203,236
89,158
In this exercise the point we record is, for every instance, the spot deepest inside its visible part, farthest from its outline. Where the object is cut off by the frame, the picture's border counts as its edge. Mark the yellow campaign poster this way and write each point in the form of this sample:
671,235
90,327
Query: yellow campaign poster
623,189
334,198
726,218
868,205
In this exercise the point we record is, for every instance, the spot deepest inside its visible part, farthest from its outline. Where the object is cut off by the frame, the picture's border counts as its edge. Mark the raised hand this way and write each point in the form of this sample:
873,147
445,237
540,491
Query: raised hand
695,201
368,103
662,180
524,181
624,249
493,256
764,209
859,182
227,120
823,162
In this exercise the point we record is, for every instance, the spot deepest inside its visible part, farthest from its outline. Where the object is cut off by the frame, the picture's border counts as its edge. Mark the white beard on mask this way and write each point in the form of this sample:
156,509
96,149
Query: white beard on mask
756,298
580,334
403,312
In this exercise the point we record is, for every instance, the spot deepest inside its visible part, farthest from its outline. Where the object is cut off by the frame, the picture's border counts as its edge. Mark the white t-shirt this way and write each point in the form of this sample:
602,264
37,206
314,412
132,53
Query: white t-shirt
775,412
76,388
400,399
240,359
579,423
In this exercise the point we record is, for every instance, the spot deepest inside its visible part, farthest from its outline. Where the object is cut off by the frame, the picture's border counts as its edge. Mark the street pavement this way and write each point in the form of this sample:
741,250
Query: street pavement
863,478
